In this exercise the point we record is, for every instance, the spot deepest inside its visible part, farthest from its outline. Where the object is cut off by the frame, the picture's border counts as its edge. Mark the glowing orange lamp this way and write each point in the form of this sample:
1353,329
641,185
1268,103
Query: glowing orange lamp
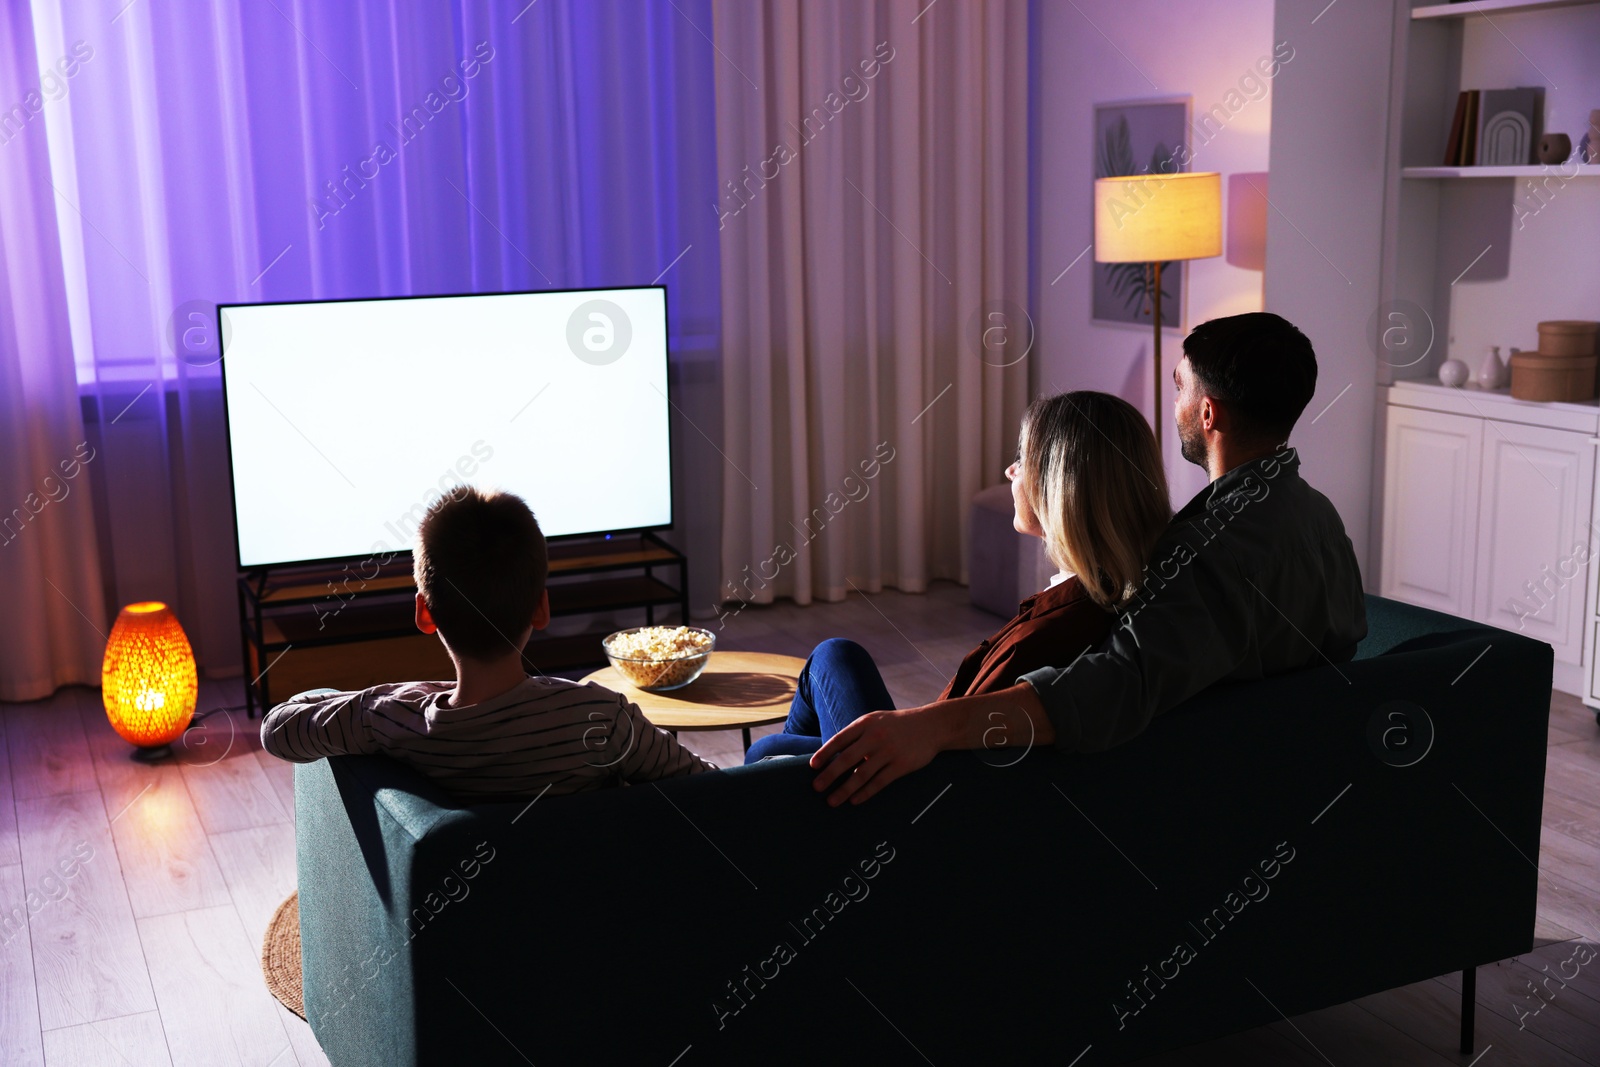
148,679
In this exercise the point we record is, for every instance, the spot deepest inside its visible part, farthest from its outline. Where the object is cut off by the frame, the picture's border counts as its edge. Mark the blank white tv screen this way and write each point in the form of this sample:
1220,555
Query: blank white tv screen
348,419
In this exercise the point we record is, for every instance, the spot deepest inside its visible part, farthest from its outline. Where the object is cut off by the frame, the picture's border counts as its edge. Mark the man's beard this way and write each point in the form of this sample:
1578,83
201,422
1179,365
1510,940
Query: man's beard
1191,442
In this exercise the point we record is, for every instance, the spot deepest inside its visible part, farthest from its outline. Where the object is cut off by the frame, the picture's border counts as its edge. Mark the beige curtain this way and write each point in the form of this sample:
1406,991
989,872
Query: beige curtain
873,215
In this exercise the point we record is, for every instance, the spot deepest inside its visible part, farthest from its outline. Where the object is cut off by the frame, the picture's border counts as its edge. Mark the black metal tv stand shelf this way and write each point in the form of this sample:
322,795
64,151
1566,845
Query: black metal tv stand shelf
333,625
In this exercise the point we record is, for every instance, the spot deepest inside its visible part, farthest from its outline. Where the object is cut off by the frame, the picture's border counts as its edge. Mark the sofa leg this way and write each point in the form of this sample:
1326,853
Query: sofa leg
1469,1003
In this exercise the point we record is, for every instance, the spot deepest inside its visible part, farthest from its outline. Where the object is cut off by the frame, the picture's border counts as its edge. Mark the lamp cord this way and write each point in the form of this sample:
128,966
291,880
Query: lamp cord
201,715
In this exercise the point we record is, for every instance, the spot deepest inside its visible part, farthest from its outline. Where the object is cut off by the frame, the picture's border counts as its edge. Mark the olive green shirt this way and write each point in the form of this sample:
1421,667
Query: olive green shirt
1254,577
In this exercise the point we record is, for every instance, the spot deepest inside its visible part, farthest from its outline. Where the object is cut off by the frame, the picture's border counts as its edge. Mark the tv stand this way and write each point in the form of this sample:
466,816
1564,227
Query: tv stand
333,625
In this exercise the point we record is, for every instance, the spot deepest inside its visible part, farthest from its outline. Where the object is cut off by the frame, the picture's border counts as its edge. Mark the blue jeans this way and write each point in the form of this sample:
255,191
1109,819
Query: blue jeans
838,685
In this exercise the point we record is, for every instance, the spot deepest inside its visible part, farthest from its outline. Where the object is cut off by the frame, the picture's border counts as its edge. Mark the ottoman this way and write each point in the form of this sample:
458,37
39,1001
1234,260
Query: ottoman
1003,566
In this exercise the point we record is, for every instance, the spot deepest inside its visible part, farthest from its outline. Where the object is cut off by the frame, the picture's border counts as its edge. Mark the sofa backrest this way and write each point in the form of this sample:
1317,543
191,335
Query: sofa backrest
1271,840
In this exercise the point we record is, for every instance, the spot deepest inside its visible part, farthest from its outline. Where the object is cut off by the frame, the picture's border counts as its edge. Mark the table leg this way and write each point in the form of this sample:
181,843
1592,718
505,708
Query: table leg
746,733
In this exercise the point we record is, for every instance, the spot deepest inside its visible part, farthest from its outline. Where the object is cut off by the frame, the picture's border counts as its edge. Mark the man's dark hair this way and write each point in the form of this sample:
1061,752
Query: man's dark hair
1260,365
480,565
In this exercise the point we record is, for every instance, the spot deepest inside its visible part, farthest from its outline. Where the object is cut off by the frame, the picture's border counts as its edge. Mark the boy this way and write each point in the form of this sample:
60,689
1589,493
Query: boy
496,733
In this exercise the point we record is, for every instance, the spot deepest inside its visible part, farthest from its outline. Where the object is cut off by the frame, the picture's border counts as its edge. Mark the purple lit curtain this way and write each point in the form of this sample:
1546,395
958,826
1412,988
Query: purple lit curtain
49,572
258,150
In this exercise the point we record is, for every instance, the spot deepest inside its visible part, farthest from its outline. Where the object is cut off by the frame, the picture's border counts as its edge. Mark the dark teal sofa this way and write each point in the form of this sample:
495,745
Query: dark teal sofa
1268,848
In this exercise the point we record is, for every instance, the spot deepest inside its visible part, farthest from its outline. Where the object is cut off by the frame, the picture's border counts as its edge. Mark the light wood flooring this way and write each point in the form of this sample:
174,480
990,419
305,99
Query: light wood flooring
152,885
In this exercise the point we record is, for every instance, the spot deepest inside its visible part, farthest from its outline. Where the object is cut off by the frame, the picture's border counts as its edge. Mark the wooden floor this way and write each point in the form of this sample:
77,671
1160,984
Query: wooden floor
145,890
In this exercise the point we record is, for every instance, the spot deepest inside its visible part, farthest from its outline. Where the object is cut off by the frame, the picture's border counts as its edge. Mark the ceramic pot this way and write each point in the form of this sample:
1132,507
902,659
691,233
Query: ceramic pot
1491,372
1454,373
1554,148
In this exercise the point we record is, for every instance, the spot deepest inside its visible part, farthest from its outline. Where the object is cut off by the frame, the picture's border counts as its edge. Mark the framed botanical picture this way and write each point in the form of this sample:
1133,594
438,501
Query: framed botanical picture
1139,137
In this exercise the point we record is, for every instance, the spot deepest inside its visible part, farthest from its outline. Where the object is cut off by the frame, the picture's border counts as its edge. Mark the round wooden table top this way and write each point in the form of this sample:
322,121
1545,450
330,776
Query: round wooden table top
737,689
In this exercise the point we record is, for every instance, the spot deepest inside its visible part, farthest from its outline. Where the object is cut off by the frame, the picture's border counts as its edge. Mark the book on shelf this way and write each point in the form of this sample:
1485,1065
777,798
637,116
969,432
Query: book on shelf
1495,127
1469,132
1509,126
1452,150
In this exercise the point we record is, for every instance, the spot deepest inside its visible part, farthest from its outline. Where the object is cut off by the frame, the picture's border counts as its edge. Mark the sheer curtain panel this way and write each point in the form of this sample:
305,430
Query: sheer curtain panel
50,583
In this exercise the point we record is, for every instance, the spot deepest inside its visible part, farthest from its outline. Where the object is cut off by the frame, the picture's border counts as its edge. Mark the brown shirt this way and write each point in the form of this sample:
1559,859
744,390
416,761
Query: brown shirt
1051,629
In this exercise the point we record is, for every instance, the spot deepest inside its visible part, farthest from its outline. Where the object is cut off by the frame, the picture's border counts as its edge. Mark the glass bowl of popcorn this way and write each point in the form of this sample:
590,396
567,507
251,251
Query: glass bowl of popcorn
660,658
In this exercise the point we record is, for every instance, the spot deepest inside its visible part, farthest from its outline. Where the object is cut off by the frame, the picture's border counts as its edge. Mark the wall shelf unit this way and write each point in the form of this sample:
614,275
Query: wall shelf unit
1486,252
1491,7
1479,498
1566,171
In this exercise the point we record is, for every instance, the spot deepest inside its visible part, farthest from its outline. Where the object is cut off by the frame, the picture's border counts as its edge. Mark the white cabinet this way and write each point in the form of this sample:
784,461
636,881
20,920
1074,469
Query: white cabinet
1487,514
1533,539
1430,509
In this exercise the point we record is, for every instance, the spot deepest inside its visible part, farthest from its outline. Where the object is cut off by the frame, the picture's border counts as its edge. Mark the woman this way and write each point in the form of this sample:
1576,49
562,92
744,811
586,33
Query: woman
1088,480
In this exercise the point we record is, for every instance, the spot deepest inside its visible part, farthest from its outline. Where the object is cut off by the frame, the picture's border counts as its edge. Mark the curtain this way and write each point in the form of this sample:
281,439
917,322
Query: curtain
241,151
49,572
873,224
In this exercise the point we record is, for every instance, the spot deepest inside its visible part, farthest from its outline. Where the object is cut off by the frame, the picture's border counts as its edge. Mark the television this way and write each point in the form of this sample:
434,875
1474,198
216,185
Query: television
347,419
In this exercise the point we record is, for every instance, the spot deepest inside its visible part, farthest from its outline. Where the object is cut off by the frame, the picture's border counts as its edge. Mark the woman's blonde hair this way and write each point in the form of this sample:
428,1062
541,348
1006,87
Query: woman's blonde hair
1093,477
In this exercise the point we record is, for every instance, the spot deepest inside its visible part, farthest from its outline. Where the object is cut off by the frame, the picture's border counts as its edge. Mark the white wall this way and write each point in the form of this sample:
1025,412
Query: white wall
1330,139
1134,49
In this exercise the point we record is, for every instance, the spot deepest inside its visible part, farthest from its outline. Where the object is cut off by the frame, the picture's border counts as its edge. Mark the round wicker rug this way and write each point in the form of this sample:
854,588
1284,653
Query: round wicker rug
280,956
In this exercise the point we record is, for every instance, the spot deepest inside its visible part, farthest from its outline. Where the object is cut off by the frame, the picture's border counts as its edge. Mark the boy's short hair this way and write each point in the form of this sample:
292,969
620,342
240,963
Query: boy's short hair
1260,365
480,565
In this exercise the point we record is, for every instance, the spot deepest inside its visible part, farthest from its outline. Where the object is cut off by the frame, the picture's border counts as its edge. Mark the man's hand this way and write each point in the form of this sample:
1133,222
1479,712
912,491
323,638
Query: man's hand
884,745
874,750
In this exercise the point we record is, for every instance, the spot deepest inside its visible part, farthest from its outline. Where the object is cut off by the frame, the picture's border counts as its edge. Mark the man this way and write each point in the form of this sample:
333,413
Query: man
1254,577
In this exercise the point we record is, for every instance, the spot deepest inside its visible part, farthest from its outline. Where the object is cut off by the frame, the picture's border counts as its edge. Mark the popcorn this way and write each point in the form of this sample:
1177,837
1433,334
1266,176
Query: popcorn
660,657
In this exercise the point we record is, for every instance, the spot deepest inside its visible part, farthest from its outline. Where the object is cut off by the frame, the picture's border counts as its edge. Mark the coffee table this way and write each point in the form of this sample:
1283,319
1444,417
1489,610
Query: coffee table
737,690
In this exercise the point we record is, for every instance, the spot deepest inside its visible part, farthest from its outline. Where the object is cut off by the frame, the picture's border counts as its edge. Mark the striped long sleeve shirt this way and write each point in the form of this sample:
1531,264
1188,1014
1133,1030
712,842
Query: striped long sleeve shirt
544,735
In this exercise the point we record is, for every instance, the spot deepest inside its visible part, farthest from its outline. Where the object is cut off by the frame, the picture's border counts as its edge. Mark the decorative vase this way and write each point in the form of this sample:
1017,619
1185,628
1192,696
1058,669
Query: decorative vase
1454,373
1589,147
1554,148
1491,372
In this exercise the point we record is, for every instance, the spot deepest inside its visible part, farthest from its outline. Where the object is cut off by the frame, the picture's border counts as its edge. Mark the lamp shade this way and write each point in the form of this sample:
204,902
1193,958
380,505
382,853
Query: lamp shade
148,679
1147,218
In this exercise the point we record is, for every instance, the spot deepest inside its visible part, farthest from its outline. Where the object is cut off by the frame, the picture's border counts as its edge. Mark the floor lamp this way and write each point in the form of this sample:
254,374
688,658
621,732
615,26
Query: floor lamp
1156,219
